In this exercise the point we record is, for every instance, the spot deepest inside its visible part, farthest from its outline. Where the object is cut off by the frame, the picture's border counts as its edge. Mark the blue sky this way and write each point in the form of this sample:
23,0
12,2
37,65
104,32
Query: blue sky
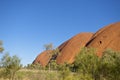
26,25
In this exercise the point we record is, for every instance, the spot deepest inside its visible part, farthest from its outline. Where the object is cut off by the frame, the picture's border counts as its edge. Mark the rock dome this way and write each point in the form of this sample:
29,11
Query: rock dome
70,48
106,38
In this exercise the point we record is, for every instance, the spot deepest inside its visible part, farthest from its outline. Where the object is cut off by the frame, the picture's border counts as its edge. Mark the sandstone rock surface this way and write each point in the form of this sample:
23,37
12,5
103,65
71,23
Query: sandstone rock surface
70,48
106,38
43,58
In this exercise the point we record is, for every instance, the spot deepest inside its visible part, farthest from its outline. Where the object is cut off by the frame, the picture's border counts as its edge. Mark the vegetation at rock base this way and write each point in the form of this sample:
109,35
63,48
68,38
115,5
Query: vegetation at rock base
105,68
87,66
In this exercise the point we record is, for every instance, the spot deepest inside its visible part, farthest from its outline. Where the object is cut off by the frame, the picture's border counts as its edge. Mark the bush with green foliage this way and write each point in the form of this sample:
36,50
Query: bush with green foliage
87,62
109,68
10,66
106,67
87,66
36,66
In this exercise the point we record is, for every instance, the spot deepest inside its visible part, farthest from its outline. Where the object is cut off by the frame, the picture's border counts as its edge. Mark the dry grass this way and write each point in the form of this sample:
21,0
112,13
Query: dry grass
27,74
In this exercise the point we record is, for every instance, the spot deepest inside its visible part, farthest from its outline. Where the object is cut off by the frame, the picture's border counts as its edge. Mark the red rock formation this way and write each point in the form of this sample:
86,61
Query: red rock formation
70,48
63,45
43,58
107,37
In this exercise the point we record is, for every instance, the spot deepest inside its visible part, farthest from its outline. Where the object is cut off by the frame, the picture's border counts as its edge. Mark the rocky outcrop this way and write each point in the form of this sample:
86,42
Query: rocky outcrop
106,38
43,58
70,48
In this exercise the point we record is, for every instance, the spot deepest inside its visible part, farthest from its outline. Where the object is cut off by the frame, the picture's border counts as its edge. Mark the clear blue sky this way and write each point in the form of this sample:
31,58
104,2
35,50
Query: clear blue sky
26,25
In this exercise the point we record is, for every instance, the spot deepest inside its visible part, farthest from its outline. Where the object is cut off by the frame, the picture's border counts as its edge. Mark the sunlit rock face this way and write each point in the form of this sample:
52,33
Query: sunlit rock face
70,48
106,38
43,58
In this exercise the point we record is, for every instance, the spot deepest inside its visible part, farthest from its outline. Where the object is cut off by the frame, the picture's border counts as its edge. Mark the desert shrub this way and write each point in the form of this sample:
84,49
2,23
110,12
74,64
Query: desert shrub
36,66
106,67
87,62
109,68
10,66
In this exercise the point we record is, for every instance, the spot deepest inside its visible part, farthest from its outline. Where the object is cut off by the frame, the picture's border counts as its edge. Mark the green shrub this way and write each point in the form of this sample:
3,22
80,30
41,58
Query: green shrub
105,68
10,66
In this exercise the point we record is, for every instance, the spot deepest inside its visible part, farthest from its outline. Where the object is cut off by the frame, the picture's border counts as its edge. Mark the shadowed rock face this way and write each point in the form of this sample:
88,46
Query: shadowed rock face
43,58
70,48
106,38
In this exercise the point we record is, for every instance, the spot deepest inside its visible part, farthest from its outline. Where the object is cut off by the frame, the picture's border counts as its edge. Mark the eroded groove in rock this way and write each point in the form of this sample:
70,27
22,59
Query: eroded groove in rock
72,48
108,37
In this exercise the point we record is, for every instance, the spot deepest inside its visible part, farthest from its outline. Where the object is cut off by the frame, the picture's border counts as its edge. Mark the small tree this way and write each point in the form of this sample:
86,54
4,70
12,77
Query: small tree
48,46
11,65
1,47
